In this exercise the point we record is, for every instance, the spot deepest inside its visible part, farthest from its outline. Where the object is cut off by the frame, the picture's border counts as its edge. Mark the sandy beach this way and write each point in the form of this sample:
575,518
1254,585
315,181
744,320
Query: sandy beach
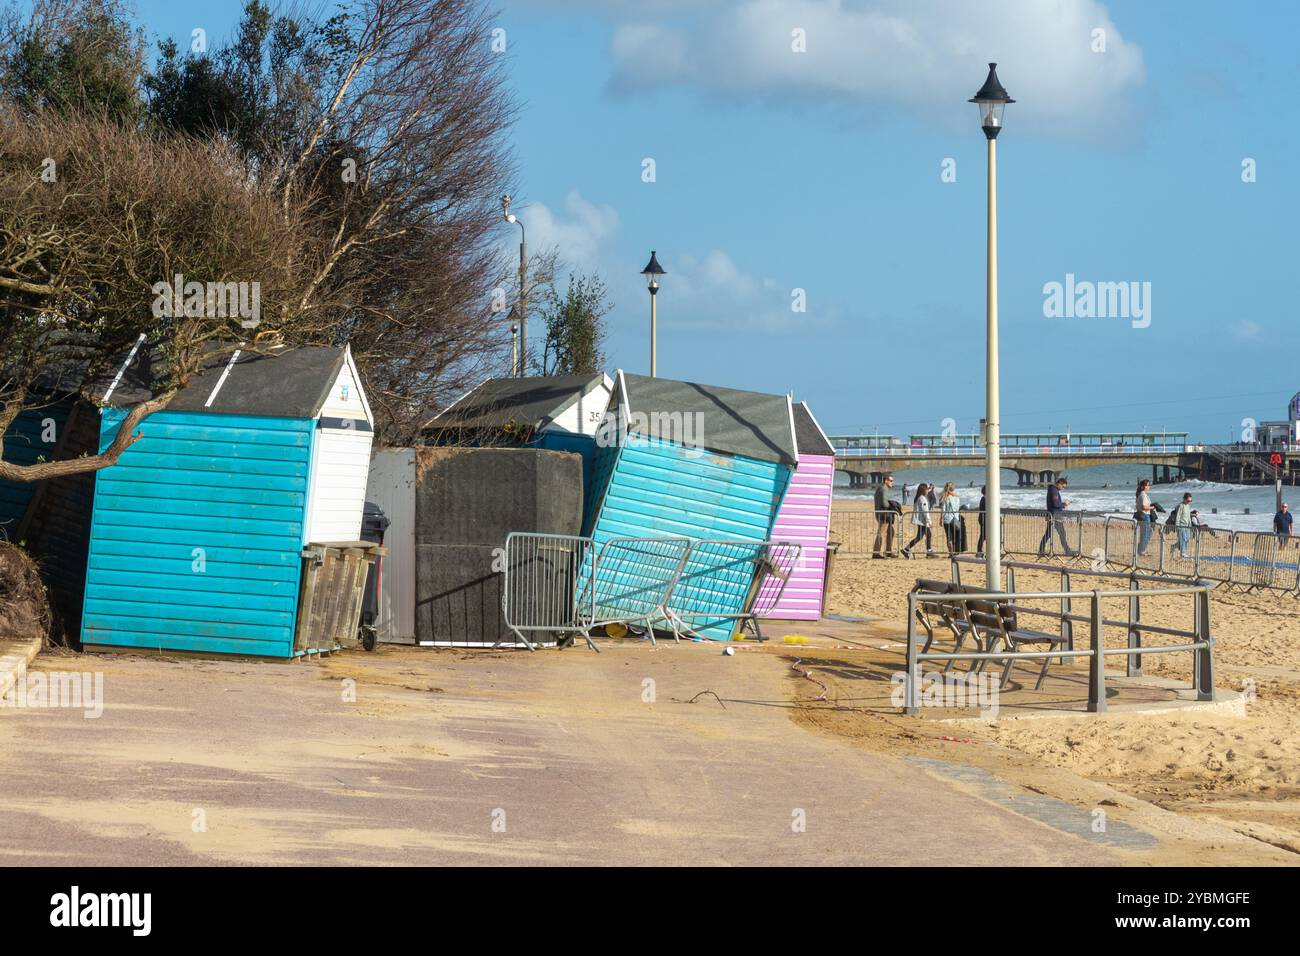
1242,771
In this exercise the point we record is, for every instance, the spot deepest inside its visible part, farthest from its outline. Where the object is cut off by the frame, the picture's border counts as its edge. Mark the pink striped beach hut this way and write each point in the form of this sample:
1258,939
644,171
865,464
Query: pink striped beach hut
805,518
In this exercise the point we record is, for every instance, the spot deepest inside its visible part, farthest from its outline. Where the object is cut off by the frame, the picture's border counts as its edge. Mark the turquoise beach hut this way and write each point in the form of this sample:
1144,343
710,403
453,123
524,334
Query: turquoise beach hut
198,529
696,461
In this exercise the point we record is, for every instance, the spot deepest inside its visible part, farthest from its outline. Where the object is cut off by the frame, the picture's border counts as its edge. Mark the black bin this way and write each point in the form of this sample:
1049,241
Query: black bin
373,525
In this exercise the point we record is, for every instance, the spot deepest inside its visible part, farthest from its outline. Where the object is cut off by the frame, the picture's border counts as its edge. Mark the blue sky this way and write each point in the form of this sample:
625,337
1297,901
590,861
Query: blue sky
821,171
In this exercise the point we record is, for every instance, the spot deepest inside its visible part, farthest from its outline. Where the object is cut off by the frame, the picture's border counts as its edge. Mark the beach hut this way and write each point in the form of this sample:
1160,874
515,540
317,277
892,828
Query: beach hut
698,461
805,519
198,530
555,412
51,518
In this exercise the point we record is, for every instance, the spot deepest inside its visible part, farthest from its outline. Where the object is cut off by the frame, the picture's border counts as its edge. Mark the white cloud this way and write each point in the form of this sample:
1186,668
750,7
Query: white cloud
581,230
713,294
1246,329
919,56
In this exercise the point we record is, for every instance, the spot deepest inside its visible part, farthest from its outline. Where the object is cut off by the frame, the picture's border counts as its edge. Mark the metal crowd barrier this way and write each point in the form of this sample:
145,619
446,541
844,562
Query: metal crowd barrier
1245,559
563,586
726,585
1198,638
632,581
540,592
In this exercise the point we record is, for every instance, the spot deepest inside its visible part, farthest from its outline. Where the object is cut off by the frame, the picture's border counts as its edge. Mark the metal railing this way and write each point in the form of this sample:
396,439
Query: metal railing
1246,559
1198,639
540,592
562,586
967,449
726,585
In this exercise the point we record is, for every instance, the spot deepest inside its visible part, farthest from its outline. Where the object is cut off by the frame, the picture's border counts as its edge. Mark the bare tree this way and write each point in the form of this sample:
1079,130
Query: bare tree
95,221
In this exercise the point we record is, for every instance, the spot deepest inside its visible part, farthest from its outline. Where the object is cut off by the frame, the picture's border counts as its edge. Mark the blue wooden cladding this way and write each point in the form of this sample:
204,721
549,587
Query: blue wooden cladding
652,487
31,437
197,534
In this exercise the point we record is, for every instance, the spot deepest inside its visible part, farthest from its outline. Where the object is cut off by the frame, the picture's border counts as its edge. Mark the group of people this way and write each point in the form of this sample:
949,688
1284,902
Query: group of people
925,502
1185,520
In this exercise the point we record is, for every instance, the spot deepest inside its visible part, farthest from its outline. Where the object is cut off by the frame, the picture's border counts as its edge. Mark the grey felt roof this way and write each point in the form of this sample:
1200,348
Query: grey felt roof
291,383
729,421
532,401
808,434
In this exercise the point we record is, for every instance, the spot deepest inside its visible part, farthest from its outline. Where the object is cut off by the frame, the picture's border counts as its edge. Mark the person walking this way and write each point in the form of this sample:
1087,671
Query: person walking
1282,525
885,511
950,511
1056,504
1144,515
921,518
1183,524
979,548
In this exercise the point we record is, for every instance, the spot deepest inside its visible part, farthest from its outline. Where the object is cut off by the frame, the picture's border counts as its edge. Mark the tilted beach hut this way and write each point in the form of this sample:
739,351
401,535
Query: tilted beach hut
805,519
698,461
198,529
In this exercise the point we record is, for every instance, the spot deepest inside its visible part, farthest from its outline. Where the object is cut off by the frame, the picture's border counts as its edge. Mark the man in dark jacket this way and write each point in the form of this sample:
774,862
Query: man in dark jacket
1056,519
885,511
1282,525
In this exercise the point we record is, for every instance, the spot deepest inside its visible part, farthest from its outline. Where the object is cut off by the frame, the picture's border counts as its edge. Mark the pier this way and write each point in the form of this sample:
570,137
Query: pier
1038,459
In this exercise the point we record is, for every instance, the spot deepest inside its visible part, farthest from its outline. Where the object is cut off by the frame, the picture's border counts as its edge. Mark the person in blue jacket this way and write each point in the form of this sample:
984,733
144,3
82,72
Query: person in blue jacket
1282,525
1056,519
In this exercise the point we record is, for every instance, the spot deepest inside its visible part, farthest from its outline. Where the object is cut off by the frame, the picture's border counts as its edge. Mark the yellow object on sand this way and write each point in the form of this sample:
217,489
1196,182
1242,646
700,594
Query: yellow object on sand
615,630
795,639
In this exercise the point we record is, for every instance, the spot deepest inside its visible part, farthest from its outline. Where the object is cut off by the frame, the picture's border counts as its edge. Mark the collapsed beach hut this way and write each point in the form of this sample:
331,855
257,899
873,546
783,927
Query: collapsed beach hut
805,519
697,461
198,531
450,510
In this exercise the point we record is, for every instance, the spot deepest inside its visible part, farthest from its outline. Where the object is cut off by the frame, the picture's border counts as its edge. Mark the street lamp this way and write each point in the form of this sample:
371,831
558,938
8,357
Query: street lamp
652,271
991,100
522,361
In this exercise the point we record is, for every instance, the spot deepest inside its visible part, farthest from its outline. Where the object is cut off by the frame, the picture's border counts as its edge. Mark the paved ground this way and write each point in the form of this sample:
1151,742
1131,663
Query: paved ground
489,757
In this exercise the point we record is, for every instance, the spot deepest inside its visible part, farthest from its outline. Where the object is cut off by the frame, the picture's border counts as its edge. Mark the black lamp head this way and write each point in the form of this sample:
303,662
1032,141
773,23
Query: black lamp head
991,99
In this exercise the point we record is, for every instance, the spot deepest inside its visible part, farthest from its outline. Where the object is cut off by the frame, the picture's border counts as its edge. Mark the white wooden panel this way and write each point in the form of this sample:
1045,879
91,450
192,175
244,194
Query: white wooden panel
341,465
392,487
345,398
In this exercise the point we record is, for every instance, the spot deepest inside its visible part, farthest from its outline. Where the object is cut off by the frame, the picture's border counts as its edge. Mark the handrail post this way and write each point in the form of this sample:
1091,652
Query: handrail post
1133,662
1232,558
1067,607
1097,662
911,681
1204,676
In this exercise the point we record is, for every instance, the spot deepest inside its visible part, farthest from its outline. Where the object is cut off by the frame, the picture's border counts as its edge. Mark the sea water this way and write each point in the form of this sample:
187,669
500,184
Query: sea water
1108,489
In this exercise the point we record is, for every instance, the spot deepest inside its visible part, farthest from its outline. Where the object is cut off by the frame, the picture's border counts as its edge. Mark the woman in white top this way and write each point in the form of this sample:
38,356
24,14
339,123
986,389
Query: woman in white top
921,518
1145,515
950,506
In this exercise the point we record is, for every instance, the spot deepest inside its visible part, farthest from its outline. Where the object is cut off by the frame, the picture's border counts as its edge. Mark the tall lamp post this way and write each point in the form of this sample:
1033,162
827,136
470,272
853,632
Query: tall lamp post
522,362
652,271
991,100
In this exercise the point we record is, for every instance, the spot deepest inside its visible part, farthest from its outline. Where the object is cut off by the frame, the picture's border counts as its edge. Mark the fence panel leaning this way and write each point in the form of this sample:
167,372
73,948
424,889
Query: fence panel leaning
631,581
726,585
540,593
